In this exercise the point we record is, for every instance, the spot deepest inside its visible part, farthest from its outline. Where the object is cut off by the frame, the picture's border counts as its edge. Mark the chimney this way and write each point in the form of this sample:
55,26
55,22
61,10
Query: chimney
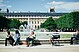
7,10
0,9
52,9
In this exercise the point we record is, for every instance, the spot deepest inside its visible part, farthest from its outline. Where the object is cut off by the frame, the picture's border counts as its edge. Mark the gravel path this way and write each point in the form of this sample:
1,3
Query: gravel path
40,48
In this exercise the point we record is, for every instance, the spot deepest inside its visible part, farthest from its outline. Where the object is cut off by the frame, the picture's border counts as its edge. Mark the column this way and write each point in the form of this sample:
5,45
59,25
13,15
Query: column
28,26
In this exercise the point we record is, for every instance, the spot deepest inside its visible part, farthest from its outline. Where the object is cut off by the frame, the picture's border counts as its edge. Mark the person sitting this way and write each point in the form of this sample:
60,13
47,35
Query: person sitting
53,37
9,38
31,37
75,37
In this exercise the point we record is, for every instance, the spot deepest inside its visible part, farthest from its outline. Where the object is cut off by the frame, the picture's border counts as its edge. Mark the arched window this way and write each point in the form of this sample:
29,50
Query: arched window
35,22
38,26
35,26
38,22
32,22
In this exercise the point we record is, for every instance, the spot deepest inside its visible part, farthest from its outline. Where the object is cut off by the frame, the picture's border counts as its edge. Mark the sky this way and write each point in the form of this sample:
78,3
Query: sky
39,5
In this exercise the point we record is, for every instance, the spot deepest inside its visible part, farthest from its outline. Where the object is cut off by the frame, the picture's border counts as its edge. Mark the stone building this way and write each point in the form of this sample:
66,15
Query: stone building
34,19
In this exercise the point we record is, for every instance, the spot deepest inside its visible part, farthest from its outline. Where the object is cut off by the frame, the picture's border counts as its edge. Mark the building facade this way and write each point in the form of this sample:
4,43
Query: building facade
34,19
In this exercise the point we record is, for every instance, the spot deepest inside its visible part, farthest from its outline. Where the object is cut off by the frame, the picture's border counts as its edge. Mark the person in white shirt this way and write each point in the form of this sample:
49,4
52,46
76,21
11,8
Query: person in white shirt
31,37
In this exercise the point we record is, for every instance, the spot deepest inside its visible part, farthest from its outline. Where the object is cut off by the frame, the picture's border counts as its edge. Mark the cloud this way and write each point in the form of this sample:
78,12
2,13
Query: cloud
63,6
9,6
6,6
1,1
3,5
71,5
55,3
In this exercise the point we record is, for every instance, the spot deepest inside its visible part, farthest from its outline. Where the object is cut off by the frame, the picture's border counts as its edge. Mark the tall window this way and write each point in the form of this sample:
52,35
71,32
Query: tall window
35,22
35,26
38,26
32,22
38,22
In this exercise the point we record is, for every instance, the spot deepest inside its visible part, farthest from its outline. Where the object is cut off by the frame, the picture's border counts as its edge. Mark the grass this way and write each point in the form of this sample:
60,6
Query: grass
66,35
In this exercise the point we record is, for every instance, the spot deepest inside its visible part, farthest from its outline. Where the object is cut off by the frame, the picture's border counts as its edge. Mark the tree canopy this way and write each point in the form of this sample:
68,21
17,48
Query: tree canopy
23,23
70,20
14,23
49,24
3,22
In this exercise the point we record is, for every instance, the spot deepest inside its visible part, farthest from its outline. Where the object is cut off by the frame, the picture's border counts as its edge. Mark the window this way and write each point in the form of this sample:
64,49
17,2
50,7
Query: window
32,22
21,15
10,15
35,22
38,27
38,22
35,26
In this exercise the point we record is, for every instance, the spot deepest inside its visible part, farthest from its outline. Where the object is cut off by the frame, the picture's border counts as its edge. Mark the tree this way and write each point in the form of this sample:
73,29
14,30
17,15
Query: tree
70,20
14,23
3,22
75,19
49,24
65,21
23,23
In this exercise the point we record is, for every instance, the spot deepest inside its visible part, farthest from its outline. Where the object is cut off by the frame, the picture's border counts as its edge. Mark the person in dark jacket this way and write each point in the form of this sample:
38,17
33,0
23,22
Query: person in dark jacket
9,38
75,37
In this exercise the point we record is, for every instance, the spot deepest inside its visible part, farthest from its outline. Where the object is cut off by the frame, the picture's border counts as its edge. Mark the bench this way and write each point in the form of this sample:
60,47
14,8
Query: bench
57,40
61,40
65,40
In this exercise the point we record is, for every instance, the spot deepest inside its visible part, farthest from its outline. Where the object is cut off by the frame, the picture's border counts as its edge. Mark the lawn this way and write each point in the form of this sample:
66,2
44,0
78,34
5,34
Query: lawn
66,35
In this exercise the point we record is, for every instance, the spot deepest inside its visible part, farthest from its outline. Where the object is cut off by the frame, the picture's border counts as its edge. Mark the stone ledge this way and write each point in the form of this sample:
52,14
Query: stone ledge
41,41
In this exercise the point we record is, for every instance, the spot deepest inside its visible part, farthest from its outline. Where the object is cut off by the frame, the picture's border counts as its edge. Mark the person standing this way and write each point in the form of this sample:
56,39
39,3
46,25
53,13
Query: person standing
17,37
9,38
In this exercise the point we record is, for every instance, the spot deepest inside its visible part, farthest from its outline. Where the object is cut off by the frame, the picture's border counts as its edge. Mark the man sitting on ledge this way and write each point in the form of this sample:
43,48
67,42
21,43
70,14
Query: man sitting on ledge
54,37
75,37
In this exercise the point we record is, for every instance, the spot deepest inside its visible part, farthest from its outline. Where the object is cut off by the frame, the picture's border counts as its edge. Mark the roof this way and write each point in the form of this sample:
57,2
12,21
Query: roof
33,14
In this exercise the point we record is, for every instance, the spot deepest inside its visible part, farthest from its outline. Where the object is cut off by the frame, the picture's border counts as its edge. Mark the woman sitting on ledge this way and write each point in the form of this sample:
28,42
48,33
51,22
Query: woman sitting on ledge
31,37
